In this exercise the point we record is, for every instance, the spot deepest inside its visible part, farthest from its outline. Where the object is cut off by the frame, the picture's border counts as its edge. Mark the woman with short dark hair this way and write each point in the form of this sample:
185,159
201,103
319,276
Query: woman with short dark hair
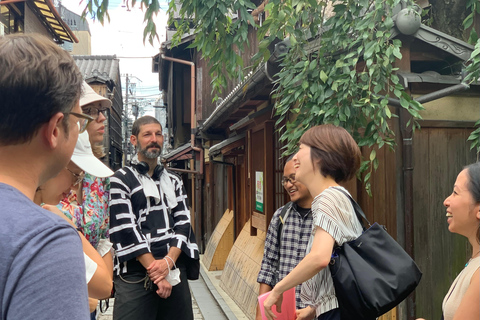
328,156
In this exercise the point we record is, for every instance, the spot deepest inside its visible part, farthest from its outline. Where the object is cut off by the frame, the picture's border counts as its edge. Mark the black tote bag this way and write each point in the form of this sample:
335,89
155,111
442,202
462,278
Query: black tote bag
371,274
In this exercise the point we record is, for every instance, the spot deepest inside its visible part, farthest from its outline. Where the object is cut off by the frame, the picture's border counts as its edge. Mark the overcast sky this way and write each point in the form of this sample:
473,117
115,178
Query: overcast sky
123,37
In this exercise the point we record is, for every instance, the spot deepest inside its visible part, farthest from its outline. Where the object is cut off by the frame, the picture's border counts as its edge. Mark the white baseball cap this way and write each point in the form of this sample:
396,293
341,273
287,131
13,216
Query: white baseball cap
84,158
90,96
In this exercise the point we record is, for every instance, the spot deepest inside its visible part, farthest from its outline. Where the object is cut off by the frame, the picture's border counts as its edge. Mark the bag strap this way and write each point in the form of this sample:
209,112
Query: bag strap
358,210
282,218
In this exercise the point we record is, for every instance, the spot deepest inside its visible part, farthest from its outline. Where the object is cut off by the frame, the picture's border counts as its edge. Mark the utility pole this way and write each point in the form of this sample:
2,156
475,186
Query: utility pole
125,147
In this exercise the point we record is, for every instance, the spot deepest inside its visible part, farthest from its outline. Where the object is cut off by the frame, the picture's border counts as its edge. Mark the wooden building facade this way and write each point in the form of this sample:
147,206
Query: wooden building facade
237,175
34,16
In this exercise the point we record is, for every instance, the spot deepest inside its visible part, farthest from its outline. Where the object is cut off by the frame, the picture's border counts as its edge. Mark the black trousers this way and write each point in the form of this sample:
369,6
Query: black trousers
333,314
134,302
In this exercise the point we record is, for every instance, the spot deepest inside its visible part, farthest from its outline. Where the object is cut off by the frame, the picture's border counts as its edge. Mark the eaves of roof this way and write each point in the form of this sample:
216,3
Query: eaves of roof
159,65
265,71
51,18
187,37
178,152
98,68
440,40
216,149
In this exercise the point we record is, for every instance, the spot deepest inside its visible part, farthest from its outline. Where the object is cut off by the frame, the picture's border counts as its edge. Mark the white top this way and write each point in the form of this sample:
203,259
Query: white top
90,267
459,287
104,247
332,211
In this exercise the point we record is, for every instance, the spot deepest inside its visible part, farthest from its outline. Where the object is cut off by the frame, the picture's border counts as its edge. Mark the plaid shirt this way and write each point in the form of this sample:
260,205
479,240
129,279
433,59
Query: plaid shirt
138,225
276,264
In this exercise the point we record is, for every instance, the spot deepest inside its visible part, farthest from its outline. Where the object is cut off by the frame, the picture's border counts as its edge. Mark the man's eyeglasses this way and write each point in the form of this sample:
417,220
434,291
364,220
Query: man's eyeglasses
78,176
290,179
95,112
83,120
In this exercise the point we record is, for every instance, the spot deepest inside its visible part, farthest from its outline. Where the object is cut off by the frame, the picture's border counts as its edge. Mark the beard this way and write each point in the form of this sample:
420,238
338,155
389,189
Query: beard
150,154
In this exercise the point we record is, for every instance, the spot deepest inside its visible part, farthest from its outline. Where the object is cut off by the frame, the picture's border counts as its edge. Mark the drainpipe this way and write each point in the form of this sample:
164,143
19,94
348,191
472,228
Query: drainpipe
196,204
193,128
433,95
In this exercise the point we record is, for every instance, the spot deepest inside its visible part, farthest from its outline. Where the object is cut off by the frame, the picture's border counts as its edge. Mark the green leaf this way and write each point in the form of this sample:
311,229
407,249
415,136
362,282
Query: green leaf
293,40
335,86
404,103
323,76
387,112
467,23
396,53
305,85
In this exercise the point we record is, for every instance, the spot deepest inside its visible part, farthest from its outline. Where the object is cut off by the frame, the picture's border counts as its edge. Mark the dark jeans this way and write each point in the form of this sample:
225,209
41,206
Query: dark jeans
134,302
330,315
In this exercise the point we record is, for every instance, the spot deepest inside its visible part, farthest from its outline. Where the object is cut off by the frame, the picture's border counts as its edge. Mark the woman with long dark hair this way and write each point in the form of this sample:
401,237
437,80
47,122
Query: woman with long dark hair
462,301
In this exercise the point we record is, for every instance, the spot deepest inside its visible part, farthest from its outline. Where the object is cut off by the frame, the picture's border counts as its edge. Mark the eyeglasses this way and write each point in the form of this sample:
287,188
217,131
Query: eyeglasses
95,112
83,120
78,176
290,179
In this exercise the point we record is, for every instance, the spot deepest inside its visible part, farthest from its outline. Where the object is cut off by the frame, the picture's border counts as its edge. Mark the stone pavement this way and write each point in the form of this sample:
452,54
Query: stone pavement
108,315
209,301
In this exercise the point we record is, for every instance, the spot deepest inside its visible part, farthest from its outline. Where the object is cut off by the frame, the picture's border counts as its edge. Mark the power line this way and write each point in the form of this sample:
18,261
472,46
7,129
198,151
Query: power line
135,57
152,95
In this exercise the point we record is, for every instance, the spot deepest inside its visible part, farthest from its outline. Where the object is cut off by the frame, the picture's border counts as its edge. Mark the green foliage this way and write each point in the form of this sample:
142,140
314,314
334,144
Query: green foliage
473,64
96,10
473,74
346,80
220,38
473,7
475,137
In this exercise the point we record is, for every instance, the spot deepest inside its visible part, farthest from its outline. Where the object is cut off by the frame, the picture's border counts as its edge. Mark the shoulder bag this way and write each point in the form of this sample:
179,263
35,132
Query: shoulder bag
371,274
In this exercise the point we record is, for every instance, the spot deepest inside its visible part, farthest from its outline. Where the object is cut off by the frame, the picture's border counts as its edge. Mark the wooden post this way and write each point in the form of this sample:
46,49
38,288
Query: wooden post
269,171
253,230
407,153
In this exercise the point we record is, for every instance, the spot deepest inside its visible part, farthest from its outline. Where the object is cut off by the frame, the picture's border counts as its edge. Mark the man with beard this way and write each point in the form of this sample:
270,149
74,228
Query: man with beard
151,232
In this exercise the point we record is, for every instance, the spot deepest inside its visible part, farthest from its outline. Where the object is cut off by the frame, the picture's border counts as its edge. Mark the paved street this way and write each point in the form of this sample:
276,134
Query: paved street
108,315
209,301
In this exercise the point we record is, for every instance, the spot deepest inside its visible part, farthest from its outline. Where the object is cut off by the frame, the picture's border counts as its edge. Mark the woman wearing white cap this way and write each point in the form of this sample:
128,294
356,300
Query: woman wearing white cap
96,106
87,203
99,271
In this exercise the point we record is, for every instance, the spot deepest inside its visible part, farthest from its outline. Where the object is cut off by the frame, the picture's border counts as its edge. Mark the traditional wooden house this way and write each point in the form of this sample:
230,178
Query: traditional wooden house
239,188
34,16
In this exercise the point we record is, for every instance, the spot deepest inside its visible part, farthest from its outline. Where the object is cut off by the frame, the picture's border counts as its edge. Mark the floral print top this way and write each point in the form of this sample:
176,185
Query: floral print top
93,214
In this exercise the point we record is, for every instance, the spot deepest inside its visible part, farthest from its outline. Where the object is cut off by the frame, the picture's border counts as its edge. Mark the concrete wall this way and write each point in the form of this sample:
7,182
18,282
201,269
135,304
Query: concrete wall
84,45
453,108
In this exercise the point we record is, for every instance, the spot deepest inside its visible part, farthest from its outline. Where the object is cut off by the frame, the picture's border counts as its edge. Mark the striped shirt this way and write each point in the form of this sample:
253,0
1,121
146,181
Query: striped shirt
278,262
139,225
334,213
